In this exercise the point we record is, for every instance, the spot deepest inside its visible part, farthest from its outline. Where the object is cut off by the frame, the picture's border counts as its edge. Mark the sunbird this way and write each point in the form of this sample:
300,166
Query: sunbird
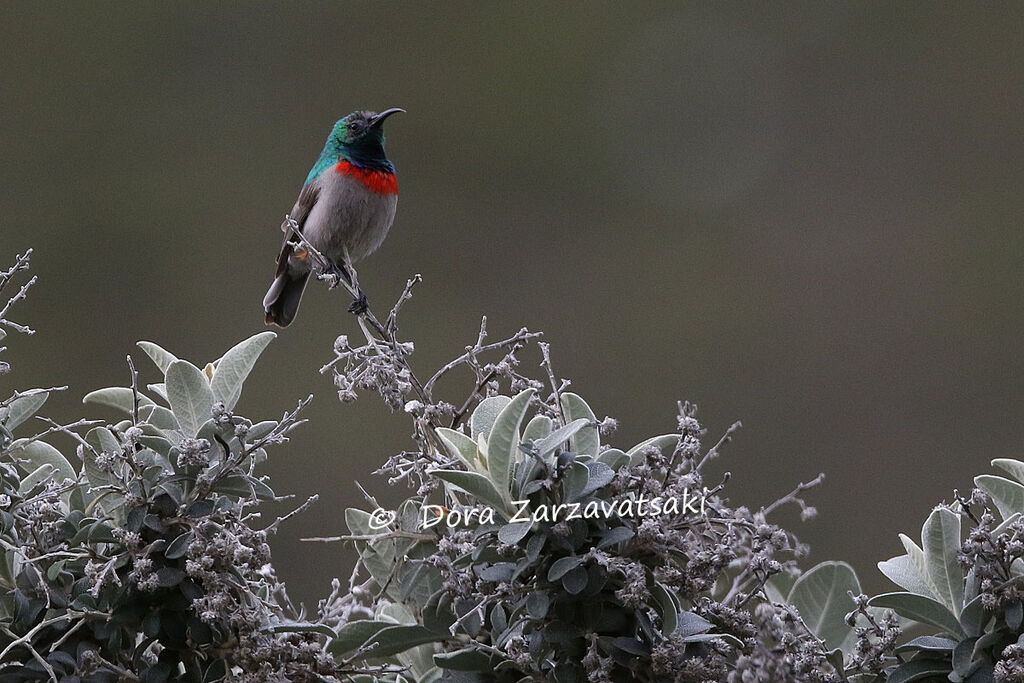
344,210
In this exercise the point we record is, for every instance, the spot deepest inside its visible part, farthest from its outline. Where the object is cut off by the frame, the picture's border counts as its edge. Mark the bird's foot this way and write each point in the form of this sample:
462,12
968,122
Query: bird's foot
360,305
335,274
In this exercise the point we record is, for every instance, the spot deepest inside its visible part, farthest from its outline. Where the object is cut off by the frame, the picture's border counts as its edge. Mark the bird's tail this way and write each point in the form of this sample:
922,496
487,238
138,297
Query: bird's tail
282,300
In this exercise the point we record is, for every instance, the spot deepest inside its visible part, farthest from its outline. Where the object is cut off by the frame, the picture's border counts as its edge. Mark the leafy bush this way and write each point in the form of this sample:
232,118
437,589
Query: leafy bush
964,594
594,586
141,563
632,571
527,549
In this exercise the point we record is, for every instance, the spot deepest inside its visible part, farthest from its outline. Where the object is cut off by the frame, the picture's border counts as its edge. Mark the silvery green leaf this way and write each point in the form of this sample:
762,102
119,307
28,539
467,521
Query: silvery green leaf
38,453
615,535
353,634
260,430
101,440
397,612
537,428
162,358
585,441
159,417
968,658
927,643
485,414
380,568
525,472
40,474
419,582
1005,523
537,604
244,486
179,546
1006,494
475,484
614,458
669,607
409,514
466,659
660,442
575,580
821,595
23,408
940,539
1015,468
921,609
1014,615
498,619
189,395
549,443
498,572
690,624
503,441
160,389
121,398
916,556
837,660
394,639
358,522
510,534
919,670
234,367
462,447
600,475
561,567
417,661
974,617
902,571
574,481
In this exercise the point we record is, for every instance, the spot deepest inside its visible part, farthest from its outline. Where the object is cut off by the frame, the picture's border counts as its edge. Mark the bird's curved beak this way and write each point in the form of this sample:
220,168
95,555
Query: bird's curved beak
379,118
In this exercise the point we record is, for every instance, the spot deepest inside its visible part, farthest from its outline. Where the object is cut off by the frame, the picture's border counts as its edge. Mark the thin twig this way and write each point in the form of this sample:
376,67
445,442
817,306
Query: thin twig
392,322
273,526
522,335
545,350
792,496
135,391
30,392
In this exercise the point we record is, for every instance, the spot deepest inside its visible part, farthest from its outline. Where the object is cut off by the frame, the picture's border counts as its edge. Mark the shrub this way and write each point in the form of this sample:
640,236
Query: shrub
527,547
143,562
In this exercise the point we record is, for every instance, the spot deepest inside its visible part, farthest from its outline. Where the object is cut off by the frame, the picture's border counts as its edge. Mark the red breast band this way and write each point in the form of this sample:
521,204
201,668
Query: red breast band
381,182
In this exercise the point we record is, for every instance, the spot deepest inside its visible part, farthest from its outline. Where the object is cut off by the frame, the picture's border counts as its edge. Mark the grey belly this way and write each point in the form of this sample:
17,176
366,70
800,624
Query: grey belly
348,216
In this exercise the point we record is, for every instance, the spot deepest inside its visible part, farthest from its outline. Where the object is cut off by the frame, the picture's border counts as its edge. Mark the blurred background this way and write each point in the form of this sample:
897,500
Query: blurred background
802,216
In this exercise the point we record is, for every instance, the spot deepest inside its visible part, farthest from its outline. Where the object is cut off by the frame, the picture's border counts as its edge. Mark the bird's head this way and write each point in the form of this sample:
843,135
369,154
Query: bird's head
362,130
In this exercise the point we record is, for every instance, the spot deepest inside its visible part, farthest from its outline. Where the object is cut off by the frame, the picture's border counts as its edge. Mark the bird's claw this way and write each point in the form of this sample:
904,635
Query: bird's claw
360,305
333,279
335,274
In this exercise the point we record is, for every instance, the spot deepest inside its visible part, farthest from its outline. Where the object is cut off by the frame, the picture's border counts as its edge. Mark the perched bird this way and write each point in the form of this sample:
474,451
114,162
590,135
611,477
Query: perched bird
344,210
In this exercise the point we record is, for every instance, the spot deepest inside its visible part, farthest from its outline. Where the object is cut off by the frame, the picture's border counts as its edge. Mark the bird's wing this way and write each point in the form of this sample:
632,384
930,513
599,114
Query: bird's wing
303,205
